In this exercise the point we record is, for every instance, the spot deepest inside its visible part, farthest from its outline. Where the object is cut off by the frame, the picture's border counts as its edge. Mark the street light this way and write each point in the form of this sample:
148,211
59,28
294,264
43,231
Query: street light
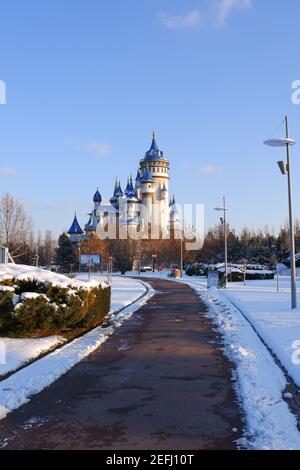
224,210
154,257
286,168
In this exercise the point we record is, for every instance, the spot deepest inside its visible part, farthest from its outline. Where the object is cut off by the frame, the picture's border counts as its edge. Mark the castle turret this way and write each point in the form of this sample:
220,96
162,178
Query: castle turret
97,199
117,194
175,225
75,231
158,165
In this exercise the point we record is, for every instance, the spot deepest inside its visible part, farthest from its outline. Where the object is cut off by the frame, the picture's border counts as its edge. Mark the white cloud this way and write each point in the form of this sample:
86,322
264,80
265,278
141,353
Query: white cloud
223,8
210,169
189,20
51,207
217,12
99,148
5,170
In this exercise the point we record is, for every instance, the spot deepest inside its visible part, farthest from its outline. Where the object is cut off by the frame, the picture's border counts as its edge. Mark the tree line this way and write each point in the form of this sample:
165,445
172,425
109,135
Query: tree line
263,246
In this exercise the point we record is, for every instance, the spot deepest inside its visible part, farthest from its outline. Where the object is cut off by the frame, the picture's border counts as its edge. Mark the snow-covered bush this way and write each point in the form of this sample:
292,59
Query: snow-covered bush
34,303
236,272
196,269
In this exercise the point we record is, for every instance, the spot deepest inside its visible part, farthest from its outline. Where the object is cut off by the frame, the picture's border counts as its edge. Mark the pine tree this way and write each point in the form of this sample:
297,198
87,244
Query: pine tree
65,253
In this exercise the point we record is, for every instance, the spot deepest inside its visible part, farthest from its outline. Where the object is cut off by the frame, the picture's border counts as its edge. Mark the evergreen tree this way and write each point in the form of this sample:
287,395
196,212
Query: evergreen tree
65,253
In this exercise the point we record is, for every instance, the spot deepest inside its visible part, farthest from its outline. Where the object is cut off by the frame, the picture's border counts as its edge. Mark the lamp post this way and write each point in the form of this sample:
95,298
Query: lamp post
182,247
110,268
79,255
181,255
286,169
154,257
224,210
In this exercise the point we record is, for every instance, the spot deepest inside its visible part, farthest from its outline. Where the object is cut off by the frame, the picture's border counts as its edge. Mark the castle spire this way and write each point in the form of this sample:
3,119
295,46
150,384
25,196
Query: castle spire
75,228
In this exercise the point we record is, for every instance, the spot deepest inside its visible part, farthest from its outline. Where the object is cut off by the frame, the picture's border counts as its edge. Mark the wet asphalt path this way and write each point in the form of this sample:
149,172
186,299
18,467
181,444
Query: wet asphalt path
160,382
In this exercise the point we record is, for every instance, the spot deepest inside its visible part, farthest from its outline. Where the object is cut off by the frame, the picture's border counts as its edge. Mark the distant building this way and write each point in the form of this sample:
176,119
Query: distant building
144,203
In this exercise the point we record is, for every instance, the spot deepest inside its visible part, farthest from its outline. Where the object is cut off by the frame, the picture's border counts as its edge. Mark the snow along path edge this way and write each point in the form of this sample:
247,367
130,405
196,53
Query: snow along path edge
259,381
31,380
270,425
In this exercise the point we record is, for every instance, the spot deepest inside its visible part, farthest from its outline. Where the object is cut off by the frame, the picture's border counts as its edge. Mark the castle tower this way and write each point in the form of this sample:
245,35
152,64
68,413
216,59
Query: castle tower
97,199
175,226
131,199
155,185
118,193
75,231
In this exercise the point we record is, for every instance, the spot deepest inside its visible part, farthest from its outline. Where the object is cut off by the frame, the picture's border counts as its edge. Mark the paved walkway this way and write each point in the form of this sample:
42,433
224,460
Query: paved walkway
160,382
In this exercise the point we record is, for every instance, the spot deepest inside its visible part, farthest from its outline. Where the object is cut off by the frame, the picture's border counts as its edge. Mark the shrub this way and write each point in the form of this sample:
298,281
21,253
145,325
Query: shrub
196,270
45,309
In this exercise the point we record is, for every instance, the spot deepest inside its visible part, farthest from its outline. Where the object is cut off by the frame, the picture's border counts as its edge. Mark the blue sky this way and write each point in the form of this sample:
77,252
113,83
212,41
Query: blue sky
88,81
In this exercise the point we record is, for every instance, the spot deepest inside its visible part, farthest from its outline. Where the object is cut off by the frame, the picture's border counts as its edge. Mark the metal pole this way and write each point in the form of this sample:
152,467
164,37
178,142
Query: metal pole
181,250
225,241
79,256
291,217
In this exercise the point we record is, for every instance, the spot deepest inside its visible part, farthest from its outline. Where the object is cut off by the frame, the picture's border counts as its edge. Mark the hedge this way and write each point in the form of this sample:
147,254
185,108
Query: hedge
29,307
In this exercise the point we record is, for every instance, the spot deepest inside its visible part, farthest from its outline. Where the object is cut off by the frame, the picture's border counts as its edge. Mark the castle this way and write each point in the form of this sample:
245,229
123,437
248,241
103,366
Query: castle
145,204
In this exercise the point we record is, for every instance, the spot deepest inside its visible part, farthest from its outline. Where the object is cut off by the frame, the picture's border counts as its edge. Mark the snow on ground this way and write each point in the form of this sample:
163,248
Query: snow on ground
260,383
19,387
270,313
16,351
19,351
124,290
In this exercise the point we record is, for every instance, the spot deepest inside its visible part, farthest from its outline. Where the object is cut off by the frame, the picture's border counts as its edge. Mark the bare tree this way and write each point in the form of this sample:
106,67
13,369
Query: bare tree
15,226
49,246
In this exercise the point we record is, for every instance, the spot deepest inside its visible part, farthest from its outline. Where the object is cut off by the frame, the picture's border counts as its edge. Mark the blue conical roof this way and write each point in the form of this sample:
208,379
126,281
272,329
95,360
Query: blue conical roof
97,197
75,228
154,146
119,191
146,176
128,188
138,176
154,153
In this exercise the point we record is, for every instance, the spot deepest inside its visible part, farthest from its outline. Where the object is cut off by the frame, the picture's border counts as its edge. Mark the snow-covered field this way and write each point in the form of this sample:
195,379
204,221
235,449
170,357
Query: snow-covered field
269,312
15,352
260,383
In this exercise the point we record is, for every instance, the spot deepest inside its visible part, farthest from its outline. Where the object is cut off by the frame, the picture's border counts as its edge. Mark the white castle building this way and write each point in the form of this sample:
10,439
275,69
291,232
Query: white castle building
145,204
